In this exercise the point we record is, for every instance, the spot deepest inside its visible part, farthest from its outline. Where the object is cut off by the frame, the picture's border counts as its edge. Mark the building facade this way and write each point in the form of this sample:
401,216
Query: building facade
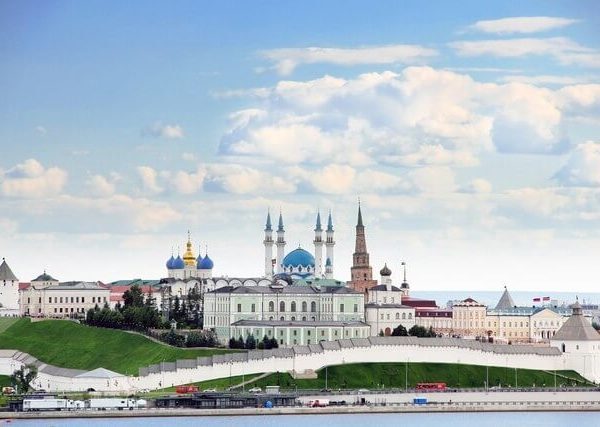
46,297
9,291
321,301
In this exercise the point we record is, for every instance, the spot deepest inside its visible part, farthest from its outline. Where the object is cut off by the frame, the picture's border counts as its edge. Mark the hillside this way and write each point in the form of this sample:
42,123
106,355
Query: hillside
71,345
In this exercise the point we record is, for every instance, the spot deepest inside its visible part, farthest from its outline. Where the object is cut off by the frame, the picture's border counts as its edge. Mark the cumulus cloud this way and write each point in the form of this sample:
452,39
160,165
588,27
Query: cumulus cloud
160,130
287,59
238,179
149,178
522,24
419,117
434,179
101,186
32,180
582,167
541,80
186,182
477,186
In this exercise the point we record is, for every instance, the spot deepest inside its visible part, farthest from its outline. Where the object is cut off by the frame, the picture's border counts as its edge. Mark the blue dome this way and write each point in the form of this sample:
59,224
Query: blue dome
198,261
206,264
178,264
170,262
299,257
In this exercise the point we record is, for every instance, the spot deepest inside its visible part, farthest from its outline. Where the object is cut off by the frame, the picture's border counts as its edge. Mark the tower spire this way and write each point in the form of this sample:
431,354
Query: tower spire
268,225
280,225
318,226
329,222
361,272
360,221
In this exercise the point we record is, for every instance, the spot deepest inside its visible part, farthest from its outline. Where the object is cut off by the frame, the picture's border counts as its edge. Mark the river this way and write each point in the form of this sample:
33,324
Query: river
487,419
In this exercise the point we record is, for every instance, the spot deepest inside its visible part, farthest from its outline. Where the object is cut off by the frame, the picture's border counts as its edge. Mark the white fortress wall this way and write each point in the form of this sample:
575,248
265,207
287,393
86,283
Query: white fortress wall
314,357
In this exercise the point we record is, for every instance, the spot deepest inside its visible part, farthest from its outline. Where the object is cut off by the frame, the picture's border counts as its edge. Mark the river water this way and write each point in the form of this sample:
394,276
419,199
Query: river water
487,419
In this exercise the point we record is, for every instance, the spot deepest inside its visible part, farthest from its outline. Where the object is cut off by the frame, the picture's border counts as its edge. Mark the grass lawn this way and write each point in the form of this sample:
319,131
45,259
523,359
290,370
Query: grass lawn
378,375
6,322
70,345
4,381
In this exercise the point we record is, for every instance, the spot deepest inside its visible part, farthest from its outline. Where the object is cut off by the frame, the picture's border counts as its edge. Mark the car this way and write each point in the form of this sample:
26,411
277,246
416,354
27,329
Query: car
91,389
255,390
326,390
210,390
363,390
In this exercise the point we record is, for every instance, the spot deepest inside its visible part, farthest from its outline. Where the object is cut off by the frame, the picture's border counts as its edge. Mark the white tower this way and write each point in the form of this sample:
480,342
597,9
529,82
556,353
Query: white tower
280,244
9,291
268,242
318,247
328,269
329,244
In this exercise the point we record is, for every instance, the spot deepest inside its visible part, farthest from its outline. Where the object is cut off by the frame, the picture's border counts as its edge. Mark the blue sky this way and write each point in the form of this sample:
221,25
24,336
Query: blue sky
469,130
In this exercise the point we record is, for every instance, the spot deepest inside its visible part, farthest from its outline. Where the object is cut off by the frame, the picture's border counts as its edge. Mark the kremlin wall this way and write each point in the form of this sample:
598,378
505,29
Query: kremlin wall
316,319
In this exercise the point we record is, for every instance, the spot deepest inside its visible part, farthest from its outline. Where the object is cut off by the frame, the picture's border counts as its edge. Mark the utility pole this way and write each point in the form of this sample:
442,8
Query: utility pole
406,376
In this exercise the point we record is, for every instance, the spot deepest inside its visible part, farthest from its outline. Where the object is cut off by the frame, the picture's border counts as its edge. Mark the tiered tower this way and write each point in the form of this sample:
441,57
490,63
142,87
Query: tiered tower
329,244
280,244
268,242
361,272
318,247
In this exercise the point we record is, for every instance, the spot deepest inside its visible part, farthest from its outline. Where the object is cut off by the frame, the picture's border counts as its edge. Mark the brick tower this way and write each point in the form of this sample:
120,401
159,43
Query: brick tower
361,272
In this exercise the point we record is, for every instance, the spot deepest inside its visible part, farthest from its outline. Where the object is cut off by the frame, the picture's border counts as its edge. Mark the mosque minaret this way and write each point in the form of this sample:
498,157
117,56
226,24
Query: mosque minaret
268,242
318,242
280,244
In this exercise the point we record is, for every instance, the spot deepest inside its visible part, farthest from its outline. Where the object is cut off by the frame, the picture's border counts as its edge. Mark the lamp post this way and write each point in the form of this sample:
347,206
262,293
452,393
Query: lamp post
406,375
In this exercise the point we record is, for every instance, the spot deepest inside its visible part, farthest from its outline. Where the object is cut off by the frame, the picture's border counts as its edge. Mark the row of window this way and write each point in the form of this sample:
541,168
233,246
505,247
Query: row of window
65,300
293,307
398,316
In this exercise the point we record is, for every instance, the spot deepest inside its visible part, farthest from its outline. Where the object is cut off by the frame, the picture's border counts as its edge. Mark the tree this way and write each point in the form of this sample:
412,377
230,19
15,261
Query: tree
421,332
133,297
399,331
274,343
250,342
23,377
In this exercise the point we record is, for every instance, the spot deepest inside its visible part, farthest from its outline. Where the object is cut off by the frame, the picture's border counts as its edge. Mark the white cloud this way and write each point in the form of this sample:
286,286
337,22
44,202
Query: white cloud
160,130
188,157
582,167
238,179
287,59
434,179
522,24
32,180
101,186
149,178
41,130
478,186
540,80
563,49
187,182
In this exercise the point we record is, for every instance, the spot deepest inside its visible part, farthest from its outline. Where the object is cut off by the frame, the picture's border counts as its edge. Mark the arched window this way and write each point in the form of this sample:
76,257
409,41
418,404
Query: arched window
403,316
313,307
270,317
293,318
304,320
397,316
410,315
282,319
293,309
282,306
271,306
304,306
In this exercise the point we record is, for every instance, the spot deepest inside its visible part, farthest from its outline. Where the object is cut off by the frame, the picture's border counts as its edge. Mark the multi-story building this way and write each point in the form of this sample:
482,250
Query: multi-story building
468,318
46,297
384,310
439,319
323,304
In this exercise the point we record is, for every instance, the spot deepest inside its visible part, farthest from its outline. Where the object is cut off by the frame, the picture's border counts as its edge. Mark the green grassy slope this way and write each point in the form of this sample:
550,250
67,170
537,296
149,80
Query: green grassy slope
4,381
70,345
377,375
6,322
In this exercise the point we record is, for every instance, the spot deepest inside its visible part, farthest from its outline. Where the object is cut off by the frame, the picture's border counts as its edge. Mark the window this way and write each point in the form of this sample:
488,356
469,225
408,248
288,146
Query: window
403,316
293,307
388,316
50,300
304,307
341,308
280,333
313,307
304,318
308,333
239,308
384,300
282,306
269,332
356,308
71,300
381,316
82,299
282,318
253,308
61,300
410,315
271,306
397,316
270,317
322,333
293,318
77,299
295,333
93,299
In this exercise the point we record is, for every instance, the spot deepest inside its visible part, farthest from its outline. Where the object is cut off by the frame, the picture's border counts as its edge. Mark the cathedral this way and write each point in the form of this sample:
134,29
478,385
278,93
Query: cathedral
189,266
299,263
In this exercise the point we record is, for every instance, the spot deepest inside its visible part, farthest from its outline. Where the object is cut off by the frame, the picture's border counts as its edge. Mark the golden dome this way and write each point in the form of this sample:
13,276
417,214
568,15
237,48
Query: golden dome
188,257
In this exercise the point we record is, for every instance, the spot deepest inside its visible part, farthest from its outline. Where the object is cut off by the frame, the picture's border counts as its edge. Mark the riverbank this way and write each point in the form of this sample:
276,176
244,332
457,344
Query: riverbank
516,406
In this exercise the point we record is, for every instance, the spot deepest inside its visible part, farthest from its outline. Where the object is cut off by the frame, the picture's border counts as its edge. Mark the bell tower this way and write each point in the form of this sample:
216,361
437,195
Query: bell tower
361,273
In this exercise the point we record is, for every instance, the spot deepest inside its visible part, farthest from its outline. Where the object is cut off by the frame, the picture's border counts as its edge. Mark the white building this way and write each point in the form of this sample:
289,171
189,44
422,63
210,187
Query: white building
46,297
9,291
384,310
320,301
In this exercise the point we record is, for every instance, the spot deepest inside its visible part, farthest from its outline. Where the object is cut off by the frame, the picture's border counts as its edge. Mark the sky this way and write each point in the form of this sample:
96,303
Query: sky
469,130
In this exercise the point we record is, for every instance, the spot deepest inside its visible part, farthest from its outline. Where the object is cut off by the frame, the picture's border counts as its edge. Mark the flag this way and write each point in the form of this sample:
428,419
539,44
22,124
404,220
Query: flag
536,299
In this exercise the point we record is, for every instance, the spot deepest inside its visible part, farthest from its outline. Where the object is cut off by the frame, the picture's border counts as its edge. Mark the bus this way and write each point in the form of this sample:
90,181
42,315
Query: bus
431,386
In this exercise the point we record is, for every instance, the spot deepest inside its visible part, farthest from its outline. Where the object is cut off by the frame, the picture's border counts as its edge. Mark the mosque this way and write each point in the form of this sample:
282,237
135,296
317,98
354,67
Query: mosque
297,264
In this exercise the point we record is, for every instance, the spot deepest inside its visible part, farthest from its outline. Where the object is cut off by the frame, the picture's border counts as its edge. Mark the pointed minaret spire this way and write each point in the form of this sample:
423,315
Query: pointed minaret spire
268,225
280,226
404,267
318,226
329,222
360,221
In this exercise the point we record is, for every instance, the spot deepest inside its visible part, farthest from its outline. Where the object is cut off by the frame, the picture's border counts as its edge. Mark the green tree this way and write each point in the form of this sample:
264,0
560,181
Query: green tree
133,297
250,342
23,377
399,331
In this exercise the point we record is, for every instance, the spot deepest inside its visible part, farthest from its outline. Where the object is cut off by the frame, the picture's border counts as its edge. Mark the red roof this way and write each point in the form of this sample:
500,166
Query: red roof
23,286
116,292
418,302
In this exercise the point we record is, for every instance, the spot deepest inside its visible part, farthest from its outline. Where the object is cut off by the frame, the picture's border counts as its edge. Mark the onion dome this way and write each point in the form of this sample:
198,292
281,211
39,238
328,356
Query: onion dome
170,262
188,257
178,264
299,258
385,271
45,277
199,261
206,264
